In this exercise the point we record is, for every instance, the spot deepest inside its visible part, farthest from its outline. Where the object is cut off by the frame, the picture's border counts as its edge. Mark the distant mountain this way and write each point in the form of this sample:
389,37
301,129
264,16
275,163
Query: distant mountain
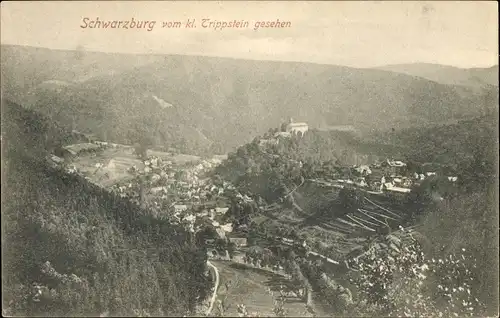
221,103
444,74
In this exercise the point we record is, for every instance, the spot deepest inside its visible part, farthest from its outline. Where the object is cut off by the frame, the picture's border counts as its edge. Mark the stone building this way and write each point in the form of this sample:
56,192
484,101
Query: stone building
296,128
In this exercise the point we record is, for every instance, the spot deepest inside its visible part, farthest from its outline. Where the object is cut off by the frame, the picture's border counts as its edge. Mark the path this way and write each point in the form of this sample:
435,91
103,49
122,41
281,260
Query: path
216,286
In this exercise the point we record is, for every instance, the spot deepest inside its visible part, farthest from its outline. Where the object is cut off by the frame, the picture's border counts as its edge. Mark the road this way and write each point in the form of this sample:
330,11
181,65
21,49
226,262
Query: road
216,286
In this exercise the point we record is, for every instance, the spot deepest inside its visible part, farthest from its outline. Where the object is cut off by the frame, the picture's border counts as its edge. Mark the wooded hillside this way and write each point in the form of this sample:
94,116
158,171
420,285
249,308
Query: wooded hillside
72,248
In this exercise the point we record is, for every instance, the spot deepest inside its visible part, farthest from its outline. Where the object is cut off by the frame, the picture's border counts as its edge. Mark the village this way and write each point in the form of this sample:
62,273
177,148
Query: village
180,189
174,187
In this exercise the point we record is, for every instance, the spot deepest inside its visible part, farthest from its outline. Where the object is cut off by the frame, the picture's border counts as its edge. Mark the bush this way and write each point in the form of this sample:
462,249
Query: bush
396,278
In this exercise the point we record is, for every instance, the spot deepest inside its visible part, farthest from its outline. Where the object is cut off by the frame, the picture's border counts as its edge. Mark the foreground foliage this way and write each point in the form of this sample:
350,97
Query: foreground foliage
71,248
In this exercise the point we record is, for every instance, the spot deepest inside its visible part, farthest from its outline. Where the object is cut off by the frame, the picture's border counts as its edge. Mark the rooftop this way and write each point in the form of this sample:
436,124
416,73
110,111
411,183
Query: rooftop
398,189
76,148
297,124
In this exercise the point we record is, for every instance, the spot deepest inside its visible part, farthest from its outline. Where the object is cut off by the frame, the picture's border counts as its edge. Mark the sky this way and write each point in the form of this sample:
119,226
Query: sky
351,33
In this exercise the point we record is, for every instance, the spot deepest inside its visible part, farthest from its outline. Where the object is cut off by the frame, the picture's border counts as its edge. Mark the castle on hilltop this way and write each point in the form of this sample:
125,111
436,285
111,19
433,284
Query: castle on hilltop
296,128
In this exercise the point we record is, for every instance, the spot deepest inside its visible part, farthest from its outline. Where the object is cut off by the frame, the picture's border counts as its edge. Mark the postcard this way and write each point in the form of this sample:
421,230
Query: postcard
249,158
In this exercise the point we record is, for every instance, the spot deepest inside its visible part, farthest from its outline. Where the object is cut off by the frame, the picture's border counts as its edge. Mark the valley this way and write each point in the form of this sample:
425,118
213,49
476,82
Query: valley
183,183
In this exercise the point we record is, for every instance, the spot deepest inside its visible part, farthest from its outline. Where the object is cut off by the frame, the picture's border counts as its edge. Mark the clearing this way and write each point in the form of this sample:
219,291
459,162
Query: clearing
116,161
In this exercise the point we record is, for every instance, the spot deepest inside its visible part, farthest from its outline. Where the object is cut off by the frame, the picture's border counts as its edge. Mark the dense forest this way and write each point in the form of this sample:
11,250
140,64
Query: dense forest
72,248
451,144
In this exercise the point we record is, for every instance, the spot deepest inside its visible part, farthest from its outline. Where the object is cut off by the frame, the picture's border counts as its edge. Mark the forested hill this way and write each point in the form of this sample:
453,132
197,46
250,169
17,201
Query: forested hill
452,144
268,166
471,77
216,104
30,133
71,248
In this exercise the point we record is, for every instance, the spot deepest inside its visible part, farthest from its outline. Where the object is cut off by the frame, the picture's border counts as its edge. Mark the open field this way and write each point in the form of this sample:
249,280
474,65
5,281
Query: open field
178,159
115,163
248,286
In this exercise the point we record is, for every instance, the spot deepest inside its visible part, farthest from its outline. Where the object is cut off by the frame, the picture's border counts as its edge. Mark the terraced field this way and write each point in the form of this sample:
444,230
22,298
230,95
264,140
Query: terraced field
370,219
323,216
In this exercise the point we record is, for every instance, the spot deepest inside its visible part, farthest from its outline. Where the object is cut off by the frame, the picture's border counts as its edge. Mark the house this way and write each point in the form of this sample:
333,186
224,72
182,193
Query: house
287,241
238,257
243,228
297,128
216,161
183,184
190,218
264,142
82,148
376,186
239,241
406,182
212,252
398,189
395,167
221,210
395,163
452,179
180,208
283,134
363,170
154,162
227,227
157,190
387,185
56,159
361,183
376,164
221,233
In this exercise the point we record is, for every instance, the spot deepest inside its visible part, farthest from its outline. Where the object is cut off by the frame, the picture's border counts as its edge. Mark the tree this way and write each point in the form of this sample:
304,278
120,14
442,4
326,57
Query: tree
141,150
283,126
403,281
351,198
208,232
